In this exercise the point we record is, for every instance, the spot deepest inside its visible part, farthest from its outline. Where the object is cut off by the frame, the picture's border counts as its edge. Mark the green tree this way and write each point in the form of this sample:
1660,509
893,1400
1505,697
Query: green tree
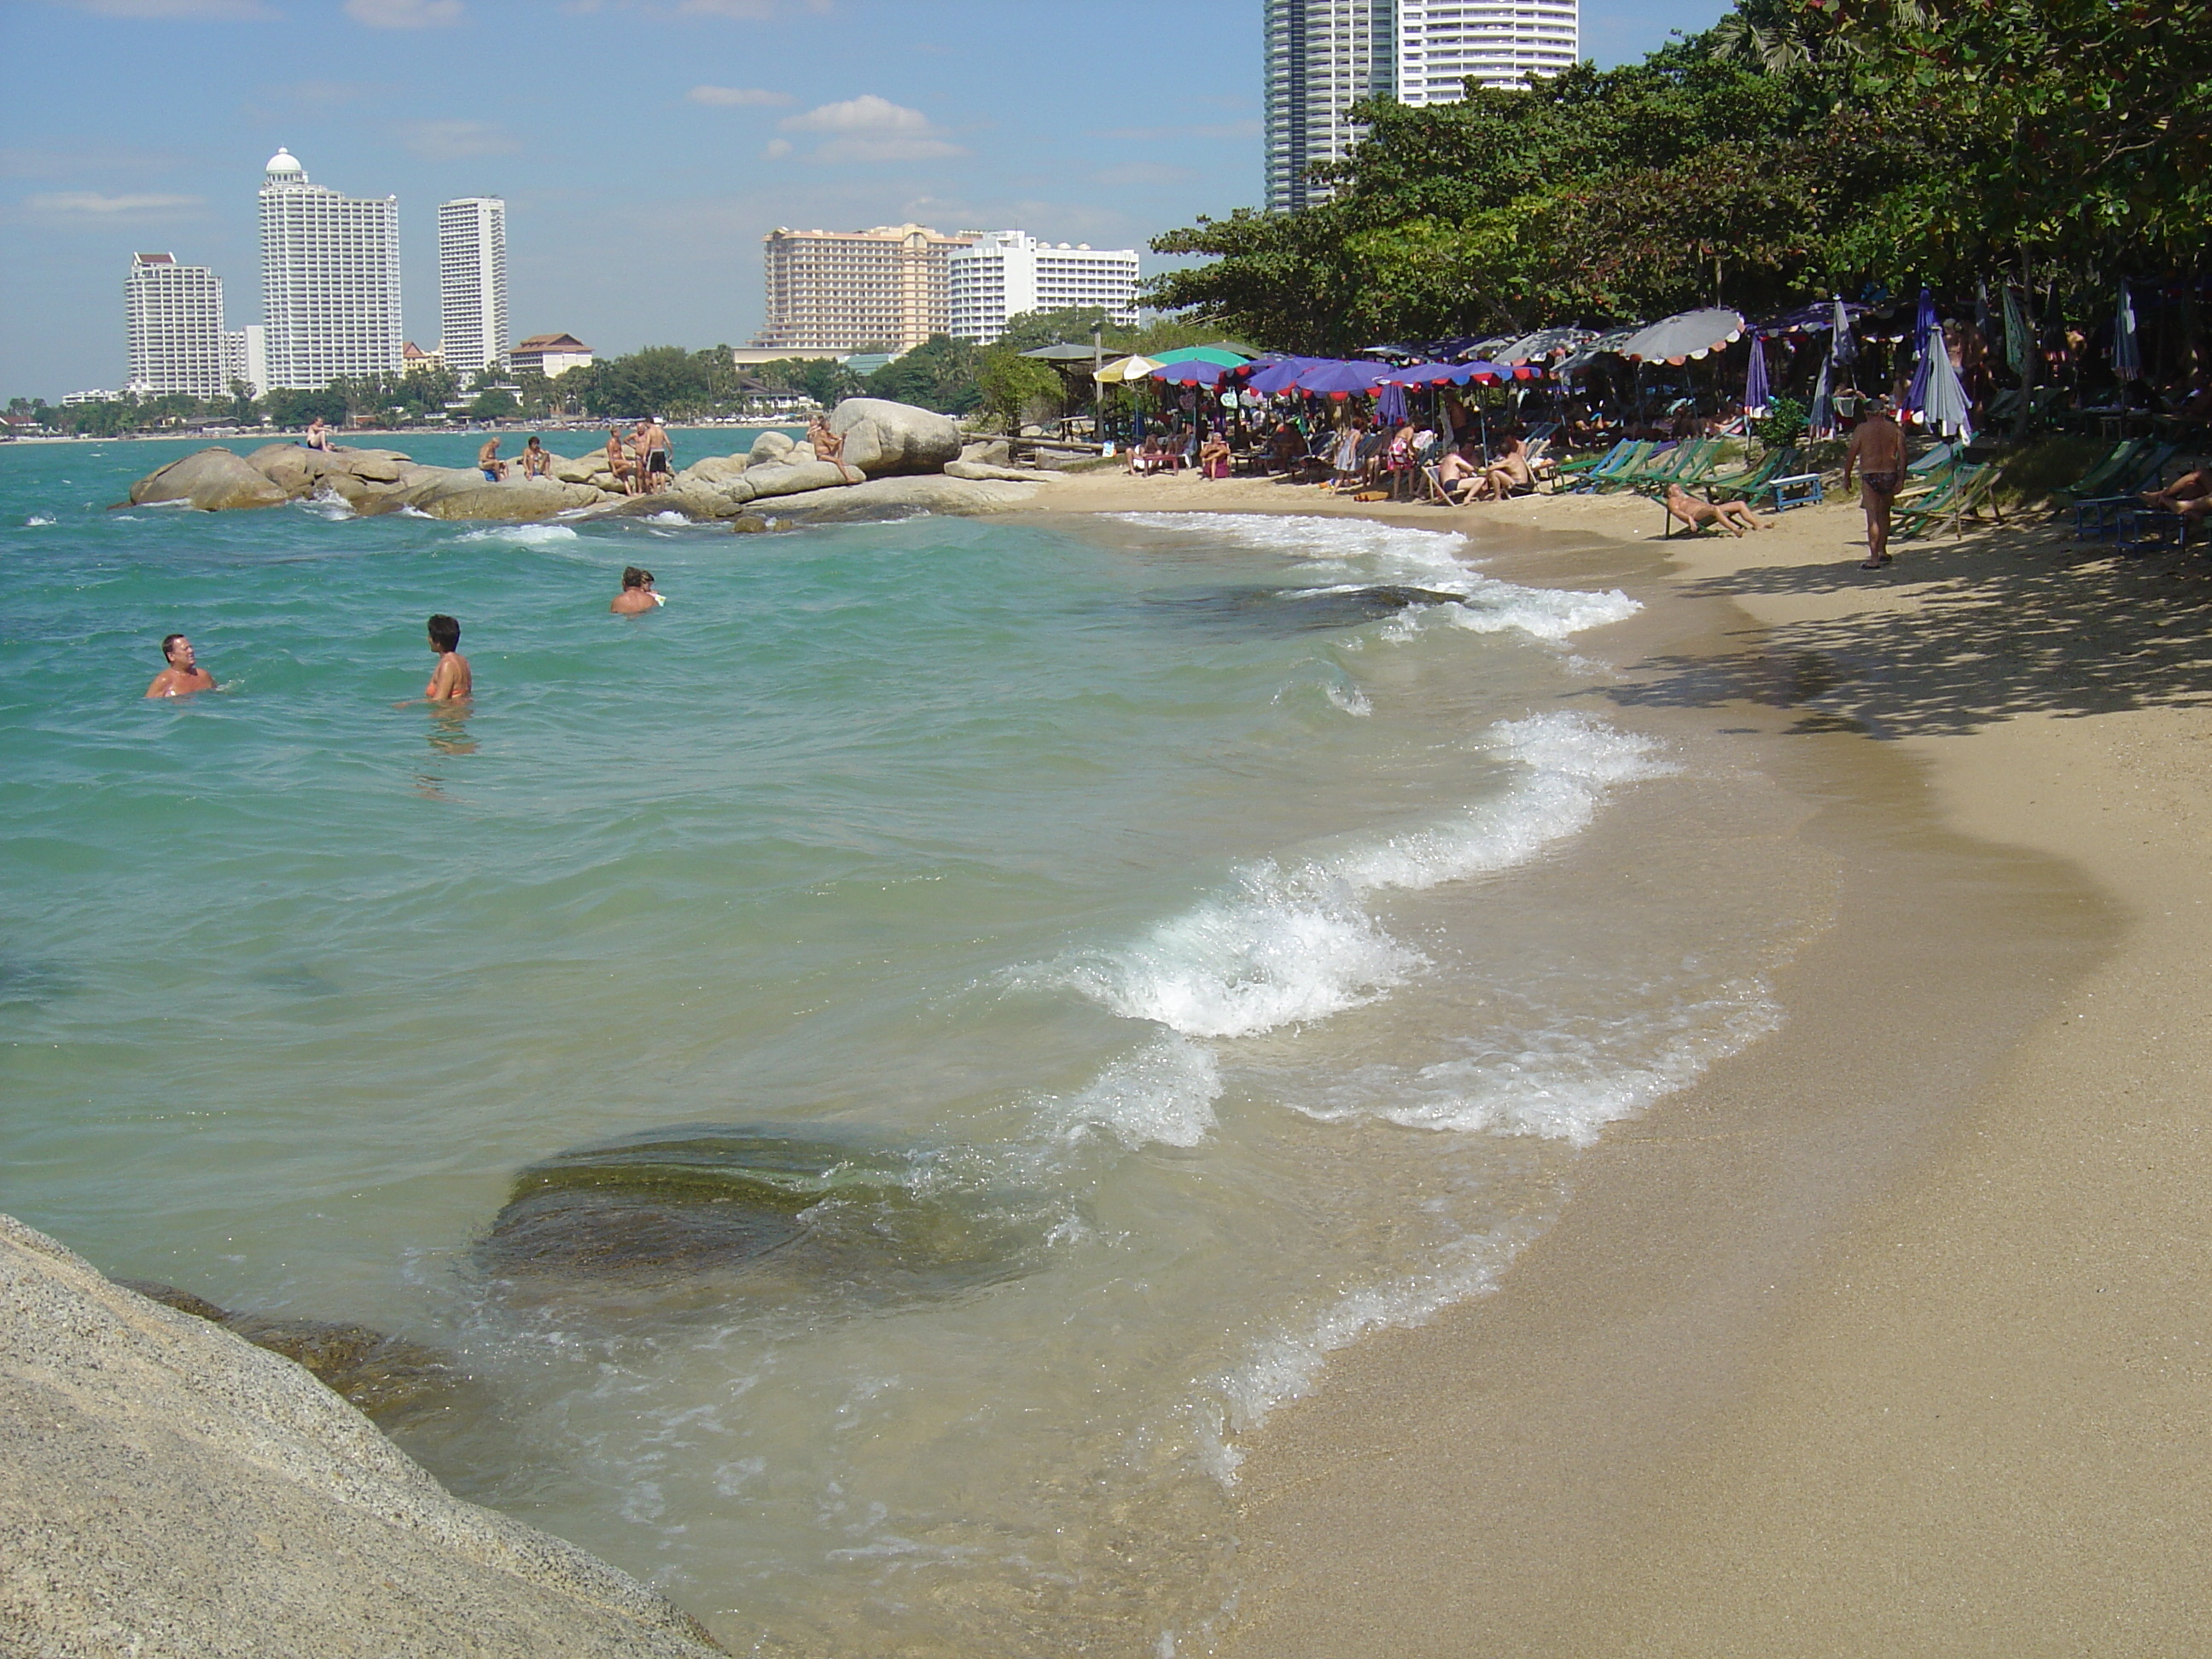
940,373
497,404
288,408
1016,390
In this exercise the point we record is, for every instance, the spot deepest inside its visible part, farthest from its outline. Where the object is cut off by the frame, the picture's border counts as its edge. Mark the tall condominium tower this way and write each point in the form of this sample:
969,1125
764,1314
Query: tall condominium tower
1003,273
1323,56
175,314
472,282
855,291
330,280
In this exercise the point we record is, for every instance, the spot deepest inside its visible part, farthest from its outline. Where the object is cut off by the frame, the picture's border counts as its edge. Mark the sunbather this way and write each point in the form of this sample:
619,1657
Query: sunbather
1510,471
2190,495
1732,516
1458,472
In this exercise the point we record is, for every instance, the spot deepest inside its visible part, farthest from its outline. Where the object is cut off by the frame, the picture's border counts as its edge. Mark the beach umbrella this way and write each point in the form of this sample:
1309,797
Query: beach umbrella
1220,355
1822,420
1842,347
1339,380
1432,374
1923,326
1390,401
1604,345
1194,371
1691,334
1123,369
2127,356
1754,379
1543,345
1281,376
2018,347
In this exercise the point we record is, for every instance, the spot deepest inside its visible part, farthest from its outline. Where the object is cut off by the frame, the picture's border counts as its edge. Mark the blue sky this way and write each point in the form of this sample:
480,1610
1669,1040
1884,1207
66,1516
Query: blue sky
643,146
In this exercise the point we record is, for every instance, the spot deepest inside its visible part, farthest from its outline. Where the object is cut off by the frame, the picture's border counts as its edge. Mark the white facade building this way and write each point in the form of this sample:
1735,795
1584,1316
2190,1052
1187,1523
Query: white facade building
245,357
472,282
175,314
1324,56
1000,274
330,280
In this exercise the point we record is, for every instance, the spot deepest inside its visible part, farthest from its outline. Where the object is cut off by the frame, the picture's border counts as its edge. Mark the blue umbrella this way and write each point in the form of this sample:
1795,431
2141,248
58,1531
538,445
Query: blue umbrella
1390,402
1923,327
1842,348
1822,420
1754,379
1194,372
2127,356
1341,379
1937,395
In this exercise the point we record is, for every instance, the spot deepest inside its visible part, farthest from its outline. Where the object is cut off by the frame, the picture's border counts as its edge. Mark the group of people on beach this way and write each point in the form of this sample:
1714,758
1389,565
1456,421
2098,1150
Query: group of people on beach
451,680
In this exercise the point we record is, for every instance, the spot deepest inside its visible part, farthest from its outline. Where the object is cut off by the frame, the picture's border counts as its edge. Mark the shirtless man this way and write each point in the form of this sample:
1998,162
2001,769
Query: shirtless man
1457,472
1508,472
183,676
450,681
487,459
1877,453
2190,495
653,440
1732,516
637,597
319,435
829,446
537,459
619,463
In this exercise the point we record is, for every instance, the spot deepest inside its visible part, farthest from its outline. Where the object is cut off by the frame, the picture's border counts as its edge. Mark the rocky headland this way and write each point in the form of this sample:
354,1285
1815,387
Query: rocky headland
897,459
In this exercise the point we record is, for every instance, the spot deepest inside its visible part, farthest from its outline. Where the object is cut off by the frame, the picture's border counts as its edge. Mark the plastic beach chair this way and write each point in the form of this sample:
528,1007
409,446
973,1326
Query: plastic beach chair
1751,484
1624,461
2103,481
1964,492
1686,464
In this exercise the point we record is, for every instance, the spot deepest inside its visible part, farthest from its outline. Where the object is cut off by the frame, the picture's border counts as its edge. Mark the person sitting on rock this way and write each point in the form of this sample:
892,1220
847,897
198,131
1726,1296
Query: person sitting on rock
619,463
637,596
319,435
830,447
1732,516
183,676
488,460
537,459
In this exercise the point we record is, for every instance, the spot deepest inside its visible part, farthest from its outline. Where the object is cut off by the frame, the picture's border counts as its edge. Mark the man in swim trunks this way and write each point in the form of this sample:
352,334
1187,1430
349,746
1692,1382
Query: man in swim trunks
1457,472
653,438
450,681
183,676
487,459
319,435
537,459
1877,453
637,597
1732,516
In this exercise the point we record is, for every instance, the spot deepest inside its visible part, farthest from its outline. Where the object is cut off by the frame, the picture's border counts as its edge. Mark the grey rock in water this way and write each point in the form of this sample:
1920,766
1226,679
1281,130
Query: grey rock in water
887,439
799,1207
770,448
748,524
214,480
903,498
169,1491
964,468
463,493
715,471
797,476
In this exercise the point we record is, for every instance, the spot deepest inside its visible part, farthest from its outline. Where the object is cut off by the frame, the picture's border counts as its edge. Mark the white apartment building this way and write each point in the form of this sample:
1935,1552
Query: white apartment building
854,290
330,280
472,282
176,320
1000,274
245,357
1323,56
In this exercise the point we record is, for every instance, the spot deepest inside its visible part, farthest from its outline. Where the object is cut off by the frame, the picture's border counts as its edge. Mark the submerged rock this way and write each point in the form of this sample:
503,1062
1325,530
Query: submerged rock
387,1377
167,1488
816,1203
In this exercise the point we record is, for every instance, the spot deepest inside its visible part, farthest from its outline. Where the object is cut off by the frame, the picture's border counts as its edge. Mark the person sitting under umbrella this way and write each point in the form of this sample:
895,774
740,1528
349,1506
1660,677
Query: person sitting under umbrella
1508,472
1732,516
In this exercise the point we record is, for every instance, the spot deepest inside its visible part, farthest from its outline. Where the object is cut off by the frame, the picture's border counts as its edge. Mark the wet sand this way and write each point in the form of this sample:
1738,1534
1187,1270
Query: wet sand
1894,1335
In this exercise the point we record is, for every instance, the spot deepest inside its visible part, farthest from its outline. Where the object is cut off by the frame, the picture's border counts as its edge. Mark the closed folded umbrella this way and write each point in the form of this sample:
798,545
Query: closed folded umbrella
2127,356
1822,420
1754,379
2015,327
1937,395
1690,335
1390,401
1842,347
1923,326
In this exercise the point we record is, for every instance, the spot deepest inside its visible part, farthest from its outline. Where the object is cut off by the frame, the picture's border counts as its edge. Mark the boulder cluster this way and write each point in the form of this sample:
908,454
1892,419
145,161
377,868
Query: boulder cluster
883,439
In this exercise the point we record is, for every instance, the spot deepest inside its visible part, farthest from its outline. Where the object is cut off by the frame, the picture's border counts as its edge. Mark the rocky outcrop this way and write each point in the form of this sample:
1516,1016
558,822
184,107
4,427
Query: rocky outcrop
797,476
465,493
900,498
887,439
771,447
169,1491
214,480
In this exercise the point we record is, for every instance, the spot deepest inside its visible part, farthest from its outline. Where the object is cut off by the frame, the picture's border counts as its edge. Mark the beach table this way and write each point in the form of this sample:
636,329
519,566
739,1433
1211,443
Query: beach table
1803,490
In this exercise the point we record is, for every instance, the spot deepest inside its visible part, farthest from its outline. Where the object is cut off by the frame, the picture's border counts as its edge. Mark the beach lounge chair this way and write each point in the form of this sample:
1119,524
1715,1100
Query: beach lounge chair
1685,465
1625,457
2104,479
2145,528
1749,483
1571,470
1964,492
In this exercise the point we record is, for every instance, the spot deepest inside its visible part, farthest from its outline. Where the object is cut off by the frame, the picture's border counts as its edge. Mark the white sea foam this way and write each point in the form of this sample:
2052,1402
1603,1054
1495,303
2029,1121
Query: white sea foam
523,534
36,520
1295,943
1163,1092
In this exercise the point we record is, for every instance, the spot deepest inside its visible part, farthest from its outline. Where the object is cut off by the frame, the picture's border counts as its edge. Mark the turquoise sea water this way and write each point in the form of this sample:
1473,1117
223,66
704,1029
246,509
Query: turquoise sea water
1249,913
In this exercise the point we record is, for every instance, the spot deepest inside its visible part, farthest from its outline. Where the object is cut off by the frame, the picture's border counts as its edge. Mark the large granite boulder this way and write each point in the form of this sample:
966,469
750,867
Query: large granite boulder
770,447
797,475
213,480
299,470
887,439
463,493
715,471
759,1208
903,498
169,1491
591,469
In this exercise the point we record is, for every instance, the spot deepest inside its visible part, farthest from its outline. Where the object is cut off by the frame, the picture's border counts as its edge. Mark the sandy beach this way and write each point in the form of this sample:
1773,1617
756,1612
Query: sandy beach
1892,1336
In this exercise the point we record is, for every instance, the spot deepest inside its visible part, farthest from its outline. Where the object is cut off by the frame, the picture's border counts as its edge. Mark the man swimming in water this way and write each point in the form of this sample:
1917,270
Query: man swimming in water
637,596
450,681
183,676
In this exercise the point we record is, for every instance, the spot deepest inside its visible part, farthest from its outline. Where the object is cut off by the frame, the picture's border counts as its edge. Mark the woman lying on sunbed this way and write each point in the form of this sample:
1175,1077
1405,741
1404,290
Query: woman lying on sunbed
1732,516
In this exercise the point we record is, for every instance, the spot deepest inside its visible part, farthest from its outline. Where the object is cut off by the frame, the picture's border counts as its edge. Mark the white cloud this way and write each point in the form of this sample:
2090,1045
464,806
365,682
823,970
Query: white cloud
178,11
87,204
777,149
404,14
734,96
456,141
872,128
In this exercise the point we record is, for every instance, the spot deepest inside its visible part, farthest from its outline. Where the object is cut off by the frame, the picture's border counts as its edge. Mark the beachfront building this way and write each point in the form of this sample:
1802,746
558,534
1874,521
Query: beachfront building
472,284
855,291
330,280
1321,57
1000,274
550,355
245,359
175,324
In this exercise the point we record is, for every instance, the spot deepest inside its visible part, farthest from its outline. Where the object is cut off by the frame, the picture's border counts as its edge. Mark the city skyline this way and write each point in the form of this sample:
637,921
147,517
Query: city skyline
714,122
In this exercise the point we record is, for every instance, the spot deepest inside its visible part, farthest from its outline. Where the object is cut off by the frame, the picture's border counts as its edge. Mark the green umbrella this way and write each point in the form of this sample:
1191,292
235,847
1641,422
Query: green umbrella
1226,358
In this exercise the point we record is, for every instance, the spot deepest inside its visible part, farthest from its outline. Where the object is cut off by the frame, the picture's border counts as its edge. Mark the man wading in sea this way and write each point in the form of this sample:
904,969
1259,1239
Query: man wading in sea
183,676
637,596
1877,450
450,681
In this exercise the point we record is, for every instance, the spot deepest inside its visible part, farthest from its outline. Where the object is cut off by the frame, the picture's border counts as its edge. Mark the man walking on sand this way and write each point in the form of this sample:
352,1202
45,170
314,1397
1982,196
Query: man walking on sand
1877,453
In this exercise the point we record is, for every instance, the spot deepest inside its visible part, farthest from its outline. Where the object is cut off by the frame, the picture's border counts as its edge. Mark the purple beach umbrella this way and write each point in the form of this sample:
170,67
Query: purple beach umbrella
1754,379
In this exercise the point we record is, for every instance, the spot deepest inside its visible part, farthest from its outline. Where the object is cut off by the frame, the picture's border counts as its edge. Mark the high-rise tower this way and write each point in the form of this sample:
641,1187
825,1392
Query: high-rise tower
175,314
472,282
330,280
1324,56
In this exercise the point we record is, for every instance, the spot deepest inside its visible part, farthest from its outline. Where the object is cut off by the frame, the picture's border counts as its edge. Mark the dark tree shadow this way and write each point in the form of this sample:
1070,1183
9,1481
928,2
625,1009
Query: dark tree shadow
2014,621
